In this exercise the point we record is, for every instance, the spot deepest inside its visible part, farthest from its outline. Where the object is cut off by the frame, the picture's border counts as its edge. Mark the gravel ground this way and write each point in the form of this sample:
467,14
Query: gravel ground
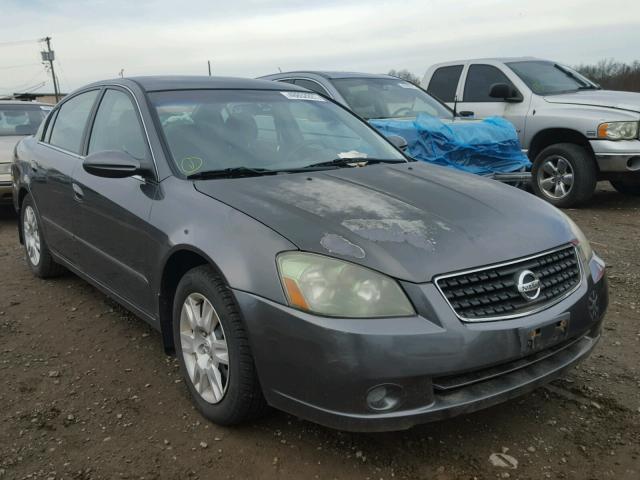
87,393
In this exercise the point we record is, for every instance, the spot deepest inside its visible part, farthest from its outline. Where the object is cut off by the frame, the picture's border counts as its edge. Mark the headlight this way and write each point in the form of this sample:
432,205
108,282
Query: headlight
5,168
618,130
332,287
580,240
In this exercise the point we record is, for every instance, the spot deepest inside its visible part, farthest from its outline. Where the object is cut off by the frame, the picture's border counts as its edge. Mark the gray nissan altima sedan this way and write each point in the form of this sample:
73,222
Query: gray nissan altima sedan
291,256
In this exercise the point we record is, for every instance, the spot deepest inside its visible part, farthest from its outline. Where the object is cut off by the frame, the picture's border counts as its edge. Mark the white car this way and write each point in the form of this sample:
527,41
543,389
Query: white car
17,119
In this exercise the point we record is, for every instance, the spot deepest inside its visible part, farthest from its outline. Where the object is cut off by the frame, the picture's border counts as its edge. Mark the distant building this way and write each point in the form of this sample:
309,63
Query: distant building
40,97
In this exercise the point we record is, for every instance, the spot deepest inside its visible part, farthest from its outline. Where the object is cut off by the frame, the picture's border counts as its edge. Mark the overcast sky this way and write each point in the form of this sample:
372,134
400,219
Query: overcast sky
95,39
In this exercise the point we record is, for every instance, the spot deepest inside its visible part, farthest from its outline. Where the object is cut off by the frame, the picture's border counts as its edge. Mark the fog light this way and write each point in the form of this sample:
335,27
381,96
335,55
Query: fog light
384,397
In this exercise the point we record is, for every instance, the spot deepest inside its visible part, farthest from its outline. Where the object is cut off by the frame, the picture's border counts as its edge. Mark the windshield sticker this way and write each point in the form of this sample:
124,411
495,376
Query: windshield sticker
303,96
407,85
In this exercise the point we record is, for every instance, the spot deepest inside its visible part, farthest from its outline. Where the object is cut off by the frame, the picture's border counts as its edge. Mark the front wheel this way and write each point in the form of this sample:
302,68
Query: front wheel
627,187
213,349
564,174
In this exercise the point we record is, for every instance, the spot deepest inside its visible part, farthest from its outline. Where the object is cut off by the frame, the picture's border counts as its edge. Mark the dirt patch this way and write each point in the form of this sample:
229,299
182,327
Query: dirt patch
87,393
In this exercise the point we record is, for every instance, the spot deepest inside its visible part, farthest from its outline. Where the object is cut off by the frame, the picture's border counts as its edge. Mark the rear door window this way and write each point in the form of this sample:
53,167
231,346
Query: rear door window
71,121
480,78
444,82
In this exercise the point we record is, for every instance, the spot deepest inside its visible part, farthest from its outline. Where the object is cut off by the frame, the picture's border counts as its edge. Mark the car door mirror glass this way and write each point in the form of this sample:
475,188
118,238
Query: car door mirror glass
112,164
398,141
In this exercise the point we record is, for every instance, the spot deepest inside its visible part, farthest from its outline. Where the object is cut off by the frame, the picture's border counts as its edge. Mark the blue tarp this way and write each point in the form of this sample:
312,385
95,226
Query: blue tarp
483,148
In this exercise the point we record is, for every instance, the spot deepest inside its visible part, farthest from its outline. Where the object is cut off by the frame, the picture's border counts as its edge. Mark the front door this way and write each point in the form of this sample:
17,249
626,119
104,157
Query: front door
475,97
113,235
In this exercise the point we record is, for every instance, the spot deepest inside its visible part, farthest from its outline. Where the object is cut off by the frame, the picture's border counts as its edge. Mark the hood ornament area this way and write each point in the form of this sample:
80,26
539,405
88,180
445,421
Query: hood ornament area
528,284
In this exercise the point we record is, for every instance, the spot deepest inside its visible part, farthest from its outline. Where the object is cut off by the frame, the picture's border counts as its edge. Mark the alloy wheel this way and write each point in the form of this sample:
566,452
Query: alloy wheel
31,235
204,348
555,177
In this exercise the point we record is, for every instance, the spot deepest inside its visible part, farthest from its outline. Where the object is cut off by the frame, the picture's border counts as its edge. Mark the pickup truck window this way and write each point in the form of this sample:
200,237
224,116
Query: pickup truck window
444,82
480,78
547,78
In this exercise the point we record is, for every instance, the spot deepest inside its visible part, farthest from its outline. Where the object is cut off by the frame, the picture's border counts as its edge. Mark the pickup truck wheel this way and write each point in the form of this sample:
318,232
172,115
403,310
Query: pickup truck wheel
627,187
564,174
37,253
213,350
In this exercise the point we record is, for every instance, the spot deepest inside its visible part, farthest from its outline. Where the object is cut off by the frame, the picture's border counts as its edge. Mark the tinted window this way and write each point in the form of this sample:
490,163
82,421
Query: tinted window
444,82
21,119
388,98
71,120
217,129
480,78
116,126
313,86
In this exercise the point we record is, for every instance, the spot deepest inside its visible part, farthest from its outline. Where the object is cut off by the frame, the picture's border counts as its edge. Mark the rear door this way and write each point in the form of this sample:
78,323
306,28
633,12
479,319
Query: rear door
478,81
55,158
114,235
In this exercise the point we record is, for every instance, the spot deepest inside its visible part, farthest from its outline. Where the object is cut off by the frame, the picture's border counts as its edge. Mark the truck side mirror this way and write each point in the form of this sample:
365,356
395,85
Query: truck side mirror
504,92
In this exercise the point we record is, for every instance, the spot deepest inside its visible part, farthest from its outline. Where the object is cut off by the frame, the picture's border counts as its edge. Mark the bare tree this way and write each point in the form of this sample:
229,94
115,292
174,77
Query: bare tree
405,74
613,75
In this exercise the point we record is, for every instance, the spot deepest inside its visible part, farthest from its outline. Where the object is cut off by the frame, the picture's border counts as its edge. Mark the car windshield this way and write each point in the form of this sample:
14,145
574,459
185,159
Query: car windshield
21,119
388,98
212,130
547,78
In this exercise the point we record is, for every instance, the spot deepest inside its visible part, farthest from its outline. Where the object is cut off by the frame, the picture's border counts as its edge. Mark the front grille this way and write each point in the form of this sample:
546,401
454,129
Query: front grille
491,293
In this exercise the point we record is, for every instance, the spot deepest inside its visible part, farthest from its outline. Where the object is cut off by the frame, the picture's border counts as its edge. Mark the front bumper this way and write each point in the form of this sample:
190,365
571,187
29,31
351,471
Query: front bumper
617,156
322,368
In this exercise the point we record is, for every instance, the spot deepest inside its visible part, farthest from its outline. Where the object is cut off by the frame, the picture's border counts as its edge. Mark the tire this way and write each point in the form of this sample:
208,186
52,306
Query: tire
238,397
37,253
627,187
550,181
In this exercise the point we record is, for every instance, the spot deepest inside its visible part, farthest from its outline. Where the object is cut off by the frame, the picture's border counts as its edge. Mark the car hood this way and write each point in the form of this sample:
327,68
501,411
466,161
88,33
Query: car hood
600,98
411,221
7,145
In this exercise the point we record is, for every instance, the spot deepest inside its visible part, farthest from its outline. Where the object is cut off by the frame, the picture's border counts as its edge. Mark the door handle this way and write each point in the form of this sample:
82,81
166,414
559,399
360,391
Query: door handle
78,194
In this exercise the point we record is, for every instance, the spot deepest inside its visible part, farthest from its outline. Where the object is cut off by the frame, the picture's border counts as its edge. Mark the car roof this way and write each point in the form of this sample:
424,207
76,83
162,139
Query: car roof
24,102
493,59
331,74
186,82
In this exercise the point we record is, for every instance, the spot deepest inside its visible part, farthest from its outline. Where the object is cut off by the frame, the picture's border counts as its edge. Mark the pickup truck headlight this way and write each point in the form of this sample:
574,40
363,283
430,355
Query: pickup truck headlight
580,240
332,287
618,130
5,168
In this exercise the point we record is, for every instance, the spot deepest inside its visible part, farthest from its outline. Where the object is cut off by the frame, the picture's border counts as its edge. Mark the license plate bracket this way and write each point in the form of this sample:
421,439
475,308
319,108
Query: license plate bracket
545,335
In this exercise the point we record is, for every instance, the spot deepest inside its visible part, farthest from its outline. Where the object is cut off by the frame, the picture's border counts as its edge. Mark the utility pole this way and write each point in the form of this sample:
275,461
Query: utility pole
209,64
49,56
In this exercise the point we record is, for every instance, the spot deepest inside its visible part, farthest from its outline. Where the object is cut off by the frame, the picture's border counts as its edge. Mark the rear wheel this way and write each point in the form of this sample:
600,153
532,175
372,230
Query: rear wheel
38,255
213,350
627,187
564,174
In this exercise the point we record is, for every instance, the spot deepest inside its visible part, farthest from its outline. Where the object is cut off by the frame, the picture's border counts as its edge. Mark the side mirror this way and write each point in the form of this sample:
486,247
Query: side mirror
504,92
399,142
111,164
466,113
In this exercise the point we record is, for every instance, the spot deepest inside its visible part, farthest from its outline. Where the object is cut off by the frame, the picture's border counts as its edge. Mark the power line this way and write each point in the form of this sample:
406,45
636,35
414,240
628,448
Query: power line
18,42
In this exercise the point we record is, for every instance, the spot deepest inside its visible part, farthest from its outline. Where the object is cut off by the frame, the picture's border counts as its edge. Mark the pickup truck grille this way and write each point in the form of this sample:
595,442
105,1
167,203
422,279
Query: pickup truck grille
491,293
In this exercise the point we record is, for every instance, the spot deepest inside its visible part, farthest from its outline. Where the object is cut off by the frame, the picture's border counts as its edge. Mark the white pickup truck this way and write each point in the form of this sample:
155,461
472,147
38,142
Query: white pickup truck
574,132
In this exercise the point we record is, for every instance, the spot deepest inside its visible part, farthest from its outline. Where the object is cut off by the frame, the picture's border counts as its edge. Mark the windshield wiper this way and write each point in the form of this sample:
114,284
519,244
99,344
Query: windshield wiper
354,162
233,172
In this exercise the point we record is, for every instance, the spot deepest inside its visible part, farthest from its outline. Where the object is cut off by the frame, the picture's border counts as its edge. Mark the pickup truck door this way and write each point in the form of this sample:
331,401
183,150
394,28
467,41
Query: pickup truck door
475,97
